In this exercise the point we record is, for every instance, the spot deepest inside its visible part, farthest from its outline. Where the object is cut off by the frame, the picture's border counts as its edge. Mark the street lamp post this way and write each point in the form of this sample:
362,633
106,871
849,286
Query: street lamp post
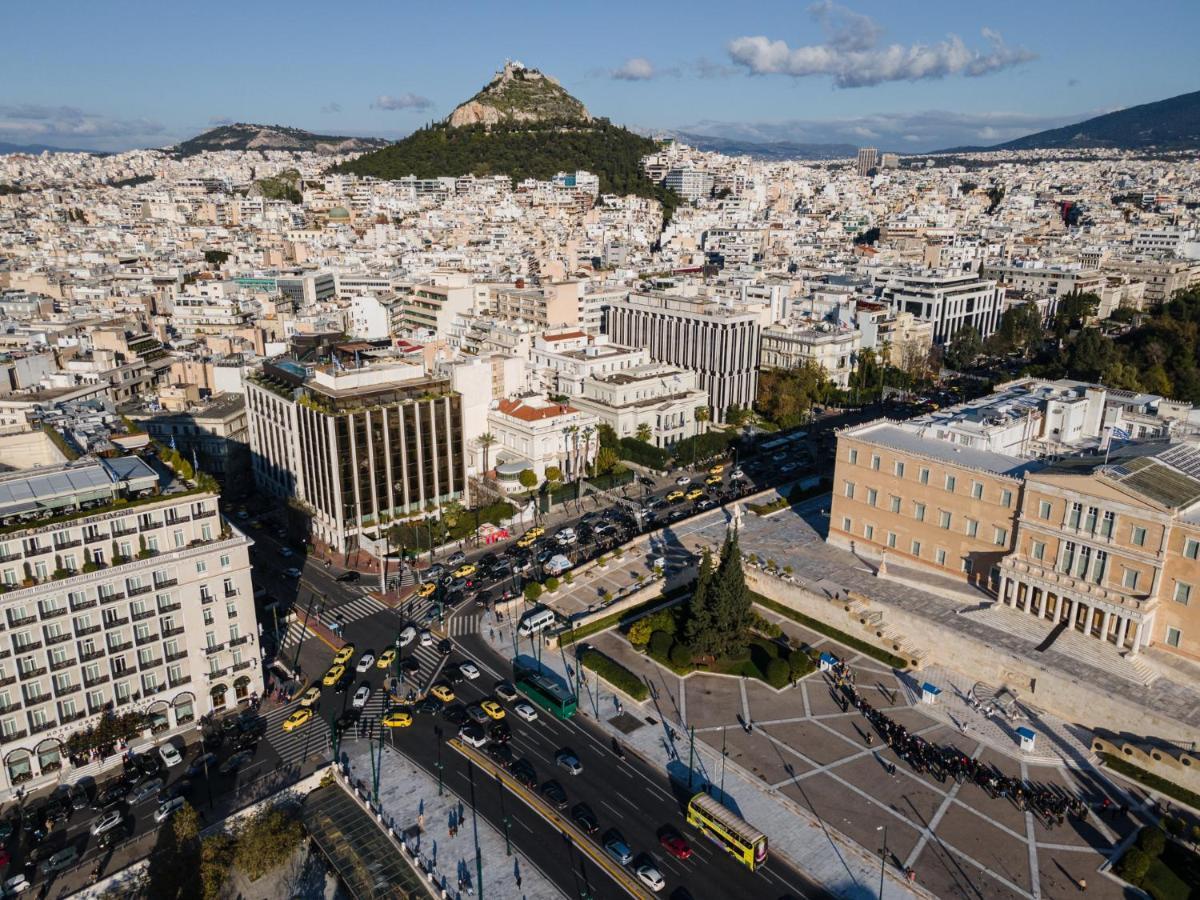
439,765
507,842
882,858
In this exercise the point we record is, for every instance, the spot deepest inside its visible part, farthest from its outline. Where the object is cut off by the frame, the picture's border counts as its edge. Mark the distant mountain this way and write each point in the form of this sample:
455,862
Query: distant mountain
769,150
523,124
1172,124
243,136
40,148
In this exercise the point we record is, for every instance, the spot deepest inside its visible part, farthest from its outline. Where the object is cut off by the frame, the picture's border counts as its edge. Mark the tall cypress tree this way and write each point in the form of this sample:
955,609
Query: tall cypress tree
699,631
731,600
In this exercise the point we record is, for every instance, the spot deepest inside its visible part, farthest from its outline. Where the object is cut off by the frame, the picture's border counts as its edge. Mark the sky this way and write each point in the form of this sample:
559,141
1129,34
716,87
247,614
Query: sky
905,75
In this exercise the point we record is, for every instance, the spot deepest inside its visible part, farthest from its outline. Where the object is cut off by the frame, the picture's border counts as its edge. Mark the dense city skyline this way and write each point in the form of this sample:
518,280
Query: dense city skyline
860,73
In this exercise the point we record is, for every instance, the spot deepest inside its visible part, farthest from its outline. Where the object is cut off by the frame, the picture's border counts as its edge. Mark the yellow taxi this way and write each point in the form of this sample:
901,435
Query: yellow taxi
333,676
442,692
535,532
427,589
713,479
526,542
674,496
310,697
695,494
296,719
492,708
397,719
386,658
464,571
716,470
344,655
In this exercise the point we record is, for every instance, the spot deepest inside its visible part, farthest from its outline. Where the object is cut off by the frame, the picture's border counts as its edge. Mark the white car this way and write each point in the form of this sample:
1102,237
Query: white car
737,473
167,808
18,884
651,878
567,536
107,822
407,635
682,480
526,712
472,734
362,695
365,662
169,755
468,670
426,638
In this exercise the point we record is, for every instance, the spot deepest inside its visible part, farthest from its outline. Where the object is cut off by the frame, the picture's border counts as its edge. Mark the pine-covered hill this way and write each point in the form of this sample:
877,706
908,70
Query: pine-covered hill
522,150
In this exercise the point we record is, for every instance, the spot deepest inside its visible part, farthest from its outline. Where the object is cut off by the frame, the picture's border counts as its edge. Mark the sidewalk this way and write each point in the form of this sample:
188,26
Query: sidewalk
409,799
833,860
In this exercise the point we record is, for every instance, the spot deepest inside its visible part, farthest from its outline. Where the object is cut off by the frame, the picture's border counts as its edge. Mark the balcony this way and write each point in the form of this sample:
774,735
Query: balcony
206,597
218,673
35,700
90,629
165,583
122,532
149,526
10,557
24,620
10,706
230,593
72,717
143,641
150,664
95,538
204,514
168,608
238,641
186,679
62,664
67,545
215,648
27,648
53,613
171,657
45,726
177,520
88,657
7,680
112,598
120,648
13,736
242,665
116,623
137,589
144,614
83,604
92,682
52,639
171,632
33,673
67,689
31,552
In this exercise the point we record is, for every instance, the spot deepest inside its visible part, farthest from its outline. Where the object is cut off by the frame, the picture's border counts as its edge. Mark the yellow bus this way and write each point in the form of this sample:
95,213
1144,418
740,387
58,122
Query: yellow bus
723,826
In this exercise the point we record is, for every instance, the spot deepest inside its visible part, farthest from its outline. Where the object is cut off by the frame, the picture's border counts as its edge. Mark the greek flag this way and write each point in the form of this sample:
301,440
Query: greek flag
1119,434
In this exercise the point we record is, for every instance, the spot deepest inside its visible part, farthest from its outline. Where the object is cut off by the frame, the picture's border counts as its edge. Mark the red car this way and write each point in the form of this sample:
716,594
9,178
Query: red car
674,844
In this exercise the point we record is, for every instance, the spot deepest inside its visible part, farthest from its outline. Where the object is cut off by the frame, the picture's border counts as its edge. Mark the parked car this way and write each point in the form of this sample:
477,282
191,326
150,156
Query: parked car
456,559
362,695
525,773
291,572
585,818
169,755
348,577
650,877
555,794
569,761
63,859
107,822
144,791
235,762
167,808
618,849
473,735
501,754
673,842
200,764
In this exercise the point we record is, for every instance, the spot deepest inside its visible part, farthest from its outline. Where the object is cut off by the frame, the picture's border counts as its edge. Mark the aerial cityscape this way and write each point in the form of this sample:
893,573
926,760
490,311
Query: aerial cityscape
598,452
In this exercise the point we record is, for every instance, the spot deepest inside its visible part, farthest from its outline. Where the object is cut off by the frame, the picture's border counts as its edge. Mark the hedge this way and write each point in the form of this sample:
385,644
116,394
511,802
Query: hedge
614,673
642,453
605,622
1150,780
896,662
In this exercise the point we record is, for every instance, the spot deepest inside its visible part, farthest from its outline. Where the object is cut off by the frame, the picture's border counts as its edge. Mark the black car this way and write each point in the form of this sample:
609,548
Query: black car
484,598
500,732
181,788
501,754
455,714
114,793
555,794
344,682
348,718
445,646
80,796
430,706
525,773
488,559
200,764
585,818
502,569
453,674
455,596
348,577
410,664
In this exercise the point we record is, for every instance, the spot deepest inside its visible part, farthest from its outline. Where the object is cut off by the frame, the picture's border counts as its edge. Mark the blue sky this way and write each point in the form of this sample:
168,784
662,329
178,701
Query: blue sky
910,75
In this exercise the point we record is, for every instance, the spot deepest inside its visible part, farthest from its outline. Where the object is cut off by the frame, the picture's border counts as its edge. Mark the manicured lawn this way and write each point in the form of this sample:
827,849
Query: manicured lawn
1171,874
841,637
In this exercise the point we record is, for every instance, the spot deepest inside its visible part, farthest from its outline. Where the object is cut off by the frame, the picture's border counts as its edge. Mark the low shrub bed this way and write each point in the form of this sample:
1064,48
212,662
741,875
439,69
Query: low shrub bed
605,622
1170,788
614,673
896,662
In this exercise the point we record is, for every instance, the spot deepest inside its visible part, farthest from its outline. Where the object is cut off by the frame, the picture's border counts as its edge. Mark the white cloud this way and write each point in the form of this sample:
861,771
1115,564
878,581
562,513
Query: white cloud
854,57
35,123
407,100
637,68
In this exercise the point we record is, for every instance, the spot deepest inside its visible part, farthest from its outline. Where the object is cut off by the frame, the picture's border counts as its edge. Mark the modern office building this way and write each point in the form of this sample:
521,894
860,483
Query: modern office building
356,440
950,300
868,159
690,184
717,341
119,595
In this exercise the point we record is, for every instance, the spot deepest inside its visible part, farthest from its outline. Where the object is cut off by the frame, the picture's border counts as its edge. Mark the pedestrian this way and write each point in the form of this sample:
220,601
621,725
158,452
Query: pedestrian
1082,884
910,874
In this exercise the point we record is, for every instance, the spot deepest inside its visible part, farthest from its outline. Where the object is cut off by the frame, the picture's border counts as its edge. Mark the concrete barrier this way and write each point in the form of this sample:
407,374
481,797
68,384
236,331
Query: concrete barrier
1180,768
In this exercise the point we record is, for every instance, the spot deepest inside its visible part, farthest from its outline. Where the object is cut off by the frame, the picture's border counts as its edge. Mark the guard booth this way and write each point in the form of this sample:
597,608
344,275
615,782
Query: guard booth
1028,738
826,661
929,693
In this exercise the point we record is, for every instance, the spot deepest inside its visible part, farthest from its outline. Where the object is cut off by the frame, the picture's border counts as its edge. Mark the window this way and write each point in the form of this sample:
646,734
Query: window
224,560
1100,566
1006,498
1000,537
940,556
1138,536
1106,526
1174,635
853,457
875,462
1044,509
944,518
208,617
210,639
972,528
872,496
977,490
1191,548
849,490
924,476
891,541
1183,592
206,532
1066,557
177,538
152,544
201,567
231,610
846,524
951,483
1039,550
916,548
899,469
895,502
919,512
967,565
1089,522
1130,579
868,533
1075,515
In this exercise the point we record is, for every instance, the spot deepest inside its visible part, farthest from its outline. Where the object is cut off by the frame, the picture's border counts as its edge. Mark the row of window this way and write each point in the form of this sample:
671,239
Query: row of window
950,482
945,517
940,555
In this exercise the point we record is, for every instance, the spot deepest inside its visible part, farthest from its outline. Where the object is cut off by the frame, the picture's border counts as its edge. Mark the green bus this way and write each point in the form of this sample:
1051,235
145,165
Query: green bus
546,692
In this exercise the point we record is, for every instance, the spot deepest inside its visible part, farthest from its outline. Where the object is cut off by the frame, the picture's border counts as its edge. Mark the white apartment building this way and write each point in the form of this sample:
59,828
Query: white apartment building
533,433
432,307
118,596
564,361
788,345
1044,280
654,394
719,342
690,184
951,300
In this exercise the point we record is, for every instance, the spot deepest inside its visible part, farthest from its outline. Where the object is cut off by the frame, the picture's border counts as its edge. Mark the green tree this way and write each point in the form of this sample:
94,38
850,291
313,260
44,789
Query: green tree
644,432
529,480
1134,865
1073,312
1121,375
1090,355
731,604
176,858
964,348
606,460
1152,840
216,859
640,631
735,415
1020,330
266,841
533,590
607,435
777,673
699,628
554,477
485,441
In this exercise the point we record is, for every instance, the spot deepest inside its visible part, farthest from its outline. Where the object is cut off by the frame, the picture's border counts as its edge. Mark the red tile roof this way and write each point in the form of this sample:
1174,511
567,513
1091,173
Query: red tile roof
518,410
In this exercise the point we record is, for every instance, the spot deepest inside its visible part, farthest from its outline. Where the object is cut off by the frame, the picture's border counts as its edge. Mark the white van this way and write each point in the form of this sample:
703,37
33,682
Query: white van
538,620
556,565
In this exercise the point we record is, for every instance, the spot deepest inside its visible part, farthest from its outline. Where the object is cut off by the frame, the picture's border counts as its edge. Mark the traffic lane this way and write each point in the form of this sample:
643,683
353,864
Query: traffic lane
638,782
637,804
